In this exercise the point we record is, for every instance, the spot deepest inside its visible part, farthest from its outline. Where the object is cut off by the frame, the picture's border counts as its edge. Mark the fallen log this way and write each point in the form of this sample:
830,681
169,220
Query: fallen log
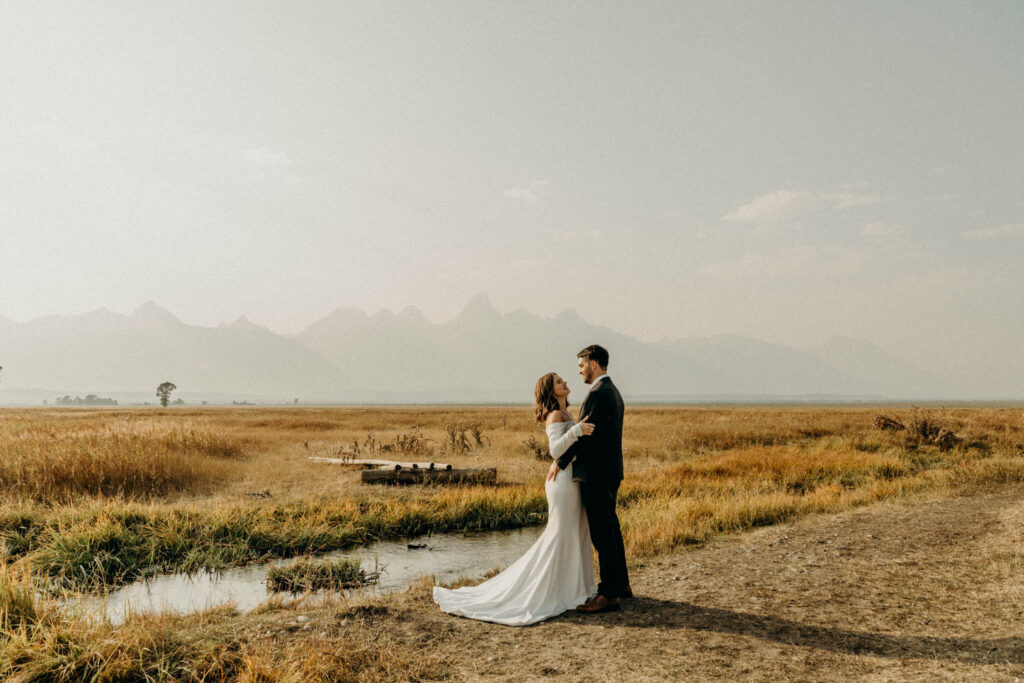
383,464
480,475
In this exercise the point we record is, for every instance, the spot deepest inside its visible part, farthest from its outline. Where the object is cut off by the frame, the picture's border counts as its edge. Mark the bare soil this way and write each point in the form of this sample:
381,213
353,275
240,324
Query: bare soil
925,589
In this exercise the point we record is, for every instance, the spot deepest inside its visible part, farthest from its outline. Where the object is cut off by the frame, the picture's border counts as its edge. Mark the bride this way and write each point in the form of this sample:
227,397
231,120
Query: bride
557,573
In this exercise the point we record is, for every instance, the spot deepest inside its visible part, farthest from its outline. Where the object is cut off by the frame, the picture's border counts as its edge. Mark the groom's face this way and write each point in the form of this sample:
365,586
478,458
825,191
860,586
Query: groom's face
588,370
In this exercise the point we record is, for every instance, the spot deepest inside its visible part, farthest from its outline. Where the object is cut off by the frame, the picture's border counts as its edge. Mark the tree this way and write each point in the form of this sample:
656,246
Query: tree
163,392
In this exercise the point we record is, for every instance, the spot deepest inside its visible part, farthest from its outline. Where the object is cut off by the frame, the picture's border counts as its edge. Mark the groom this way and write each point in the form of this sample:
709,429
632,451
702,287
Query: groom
598,469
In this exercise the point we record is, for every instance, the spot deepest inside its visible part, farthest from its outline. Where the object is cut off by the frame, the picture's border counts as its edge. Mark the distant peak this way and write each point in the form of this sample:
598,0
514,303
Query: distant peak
568,314
151,311
346,313
411,313
241,323
480,305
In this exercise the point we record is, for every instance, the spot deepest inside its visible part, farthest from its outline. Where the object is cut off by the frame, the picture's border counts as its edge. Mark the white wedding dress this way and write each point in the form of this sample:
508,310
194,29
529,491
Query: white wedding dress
554,575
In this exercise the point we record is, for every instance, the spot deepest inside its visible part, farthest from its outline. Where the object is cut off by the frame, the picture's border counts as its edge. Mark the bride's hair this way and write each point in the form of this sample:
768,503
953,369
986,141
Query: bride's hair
544,396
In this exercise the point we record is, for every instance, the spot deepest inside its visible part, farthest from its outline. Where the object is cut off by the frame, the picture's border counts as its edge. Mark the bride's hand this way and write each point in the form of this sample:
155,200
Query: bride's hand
553,471
587,427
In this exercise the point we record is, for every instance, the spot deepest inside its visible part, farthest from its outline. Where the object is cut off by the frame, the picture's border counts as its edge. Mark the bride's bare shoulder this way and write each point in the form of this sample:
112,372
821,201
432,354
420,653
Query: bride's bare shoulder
554,417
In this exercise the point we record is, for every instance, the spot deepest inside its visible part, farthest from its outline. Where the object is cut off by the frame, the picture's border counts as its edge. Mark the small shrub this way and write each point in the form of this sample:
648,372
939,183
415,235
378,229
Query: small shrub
538,448
477,430
925,429
799,488
887,424
947,440
412,444
458,439
890,471
982,446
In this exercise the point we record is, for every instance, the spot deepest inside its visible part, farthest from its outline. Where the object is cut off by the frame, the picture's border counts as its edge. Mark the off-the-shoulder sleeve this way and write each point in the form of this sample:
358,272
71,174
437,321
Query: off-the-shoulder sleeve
558,445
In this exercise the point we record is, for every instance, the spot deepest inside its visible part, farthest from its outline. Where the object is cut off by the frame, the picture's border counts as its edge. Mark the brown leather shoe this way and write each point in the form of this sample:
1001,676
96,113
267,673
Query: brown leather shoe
598,605
588,603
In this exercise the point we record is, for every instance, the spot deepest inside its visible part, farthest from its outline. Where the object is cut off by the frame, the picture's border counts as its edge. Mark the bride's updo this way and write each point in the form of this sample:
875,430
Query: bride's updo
544,396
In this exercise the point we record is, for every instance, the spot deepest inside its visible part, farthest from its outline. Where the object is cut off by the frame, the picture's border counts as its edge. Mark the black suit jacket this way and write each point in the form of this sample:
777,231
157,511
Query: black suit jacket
597,458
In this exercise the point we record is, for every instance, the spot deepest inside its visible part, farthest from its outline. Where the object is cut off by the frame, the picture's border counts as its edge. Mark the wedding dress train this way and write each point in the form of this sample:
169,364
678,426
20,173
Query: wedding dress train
556,574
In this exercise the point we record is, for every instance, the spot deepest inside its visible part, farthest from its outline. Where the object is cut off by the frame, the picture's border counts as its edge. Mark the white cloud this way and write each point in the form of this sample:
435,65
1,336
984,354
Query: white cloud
774,208
788,206
1006,230
795,263
846,200
529,194
265,156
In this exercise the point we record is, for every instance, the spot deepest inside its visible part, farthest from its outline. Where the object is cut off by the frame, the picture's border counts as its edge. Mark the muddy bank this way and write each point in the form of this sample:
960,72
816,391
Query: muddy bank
913,590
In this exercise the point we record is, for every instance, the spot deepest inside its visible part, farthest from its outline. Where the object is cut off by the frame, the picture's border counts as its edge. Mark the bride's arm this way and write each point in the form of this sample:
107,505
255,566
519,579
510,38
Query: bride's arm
560,444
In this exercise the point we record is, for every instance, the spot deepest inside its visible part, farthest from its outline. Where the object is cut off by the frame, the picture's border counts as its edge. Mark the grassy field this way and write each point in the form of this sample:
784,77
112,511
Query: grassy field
94,498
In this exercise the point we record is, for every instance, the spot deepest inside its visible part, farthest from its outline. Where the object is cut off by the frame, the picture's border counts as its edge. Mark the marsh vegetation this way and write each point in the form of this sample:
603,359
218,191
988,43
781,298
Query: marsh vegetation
98,498
314,575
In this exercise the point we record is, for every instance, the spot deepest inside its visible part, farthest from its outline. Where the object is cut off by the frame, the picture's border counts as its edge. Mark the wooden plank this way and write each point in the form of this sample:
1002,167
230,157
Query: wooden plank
484,475
387,464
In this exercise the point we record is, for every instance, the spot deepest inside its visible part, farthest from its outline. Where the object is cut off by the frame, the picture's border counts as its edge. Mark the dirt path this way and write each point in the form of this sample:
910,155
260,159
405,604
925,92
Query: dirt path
925,590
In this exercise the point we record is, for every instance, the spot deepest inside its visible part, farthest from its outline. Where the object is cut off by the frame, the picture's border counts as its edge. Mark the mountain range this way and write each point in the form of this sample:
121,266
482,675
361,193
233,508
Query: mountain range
480,355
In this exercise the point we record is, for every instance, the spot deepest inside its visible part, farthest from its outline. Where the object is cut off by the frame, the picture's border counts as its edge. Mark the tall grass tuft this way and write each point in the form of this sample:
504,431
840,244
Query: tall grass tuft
18,608
312,575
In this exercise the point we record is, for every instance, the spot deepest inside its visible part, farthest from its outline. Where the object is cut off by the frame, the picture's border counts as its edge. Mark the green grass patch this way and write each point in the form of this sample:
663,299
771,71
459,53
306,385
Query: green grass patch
313,575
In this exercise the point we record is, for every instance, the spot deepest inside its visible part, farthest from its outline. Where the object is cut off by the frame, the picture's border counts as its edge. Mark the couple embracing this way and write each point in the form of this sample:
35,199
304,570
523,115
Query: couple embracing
557,573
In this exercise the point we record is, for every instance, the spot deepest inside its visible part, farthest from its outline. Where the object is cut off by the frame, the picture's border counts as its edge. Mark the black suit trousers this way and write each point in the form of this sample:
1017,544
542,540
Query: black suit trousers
599,502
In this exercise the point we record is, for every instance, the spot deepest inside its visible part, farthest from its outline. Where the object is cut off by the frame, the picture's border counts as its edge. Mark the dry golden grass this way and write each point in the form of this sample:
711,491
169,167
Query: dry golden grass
95,496
742,468
59,461
691,472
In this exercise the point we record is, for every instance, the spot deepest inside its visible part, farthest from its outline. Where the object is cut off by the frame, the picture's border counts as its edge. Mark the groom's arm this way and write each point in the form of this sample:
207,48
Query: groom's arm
570,454
597,411
577,448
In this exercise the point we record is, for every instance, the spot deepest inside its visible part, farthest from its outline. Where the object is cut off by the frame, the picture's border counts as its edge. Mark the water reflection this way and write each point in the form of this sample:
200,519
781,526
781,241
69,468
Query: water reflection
446,556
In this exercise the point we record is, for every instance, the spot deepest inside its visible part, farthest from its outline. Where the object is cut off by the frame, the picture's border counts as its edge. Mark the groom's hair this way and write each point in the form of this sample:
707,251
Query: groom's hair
596,353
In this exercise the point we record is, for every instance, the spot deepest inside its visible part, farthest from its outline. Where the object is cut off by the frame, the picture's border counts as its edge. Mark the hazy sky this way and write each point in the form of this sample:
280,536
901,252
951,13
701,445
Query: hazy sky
787,170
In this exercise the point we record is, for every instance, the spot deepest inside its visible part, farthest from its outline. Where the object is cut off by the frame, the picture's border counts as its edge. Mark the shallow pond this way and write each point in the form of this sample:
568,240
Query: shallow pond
446,556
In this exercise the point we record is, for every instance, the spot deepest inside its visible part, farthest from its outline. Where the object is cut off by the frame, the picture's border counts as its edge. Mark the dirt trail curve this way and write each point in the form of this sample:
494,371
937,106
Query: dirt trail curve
914,590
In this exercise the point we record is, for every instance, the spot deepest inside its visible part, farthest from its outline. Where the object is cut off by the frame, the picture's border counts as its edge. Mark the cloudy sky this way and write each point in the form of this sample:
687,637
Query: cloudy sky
787,170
